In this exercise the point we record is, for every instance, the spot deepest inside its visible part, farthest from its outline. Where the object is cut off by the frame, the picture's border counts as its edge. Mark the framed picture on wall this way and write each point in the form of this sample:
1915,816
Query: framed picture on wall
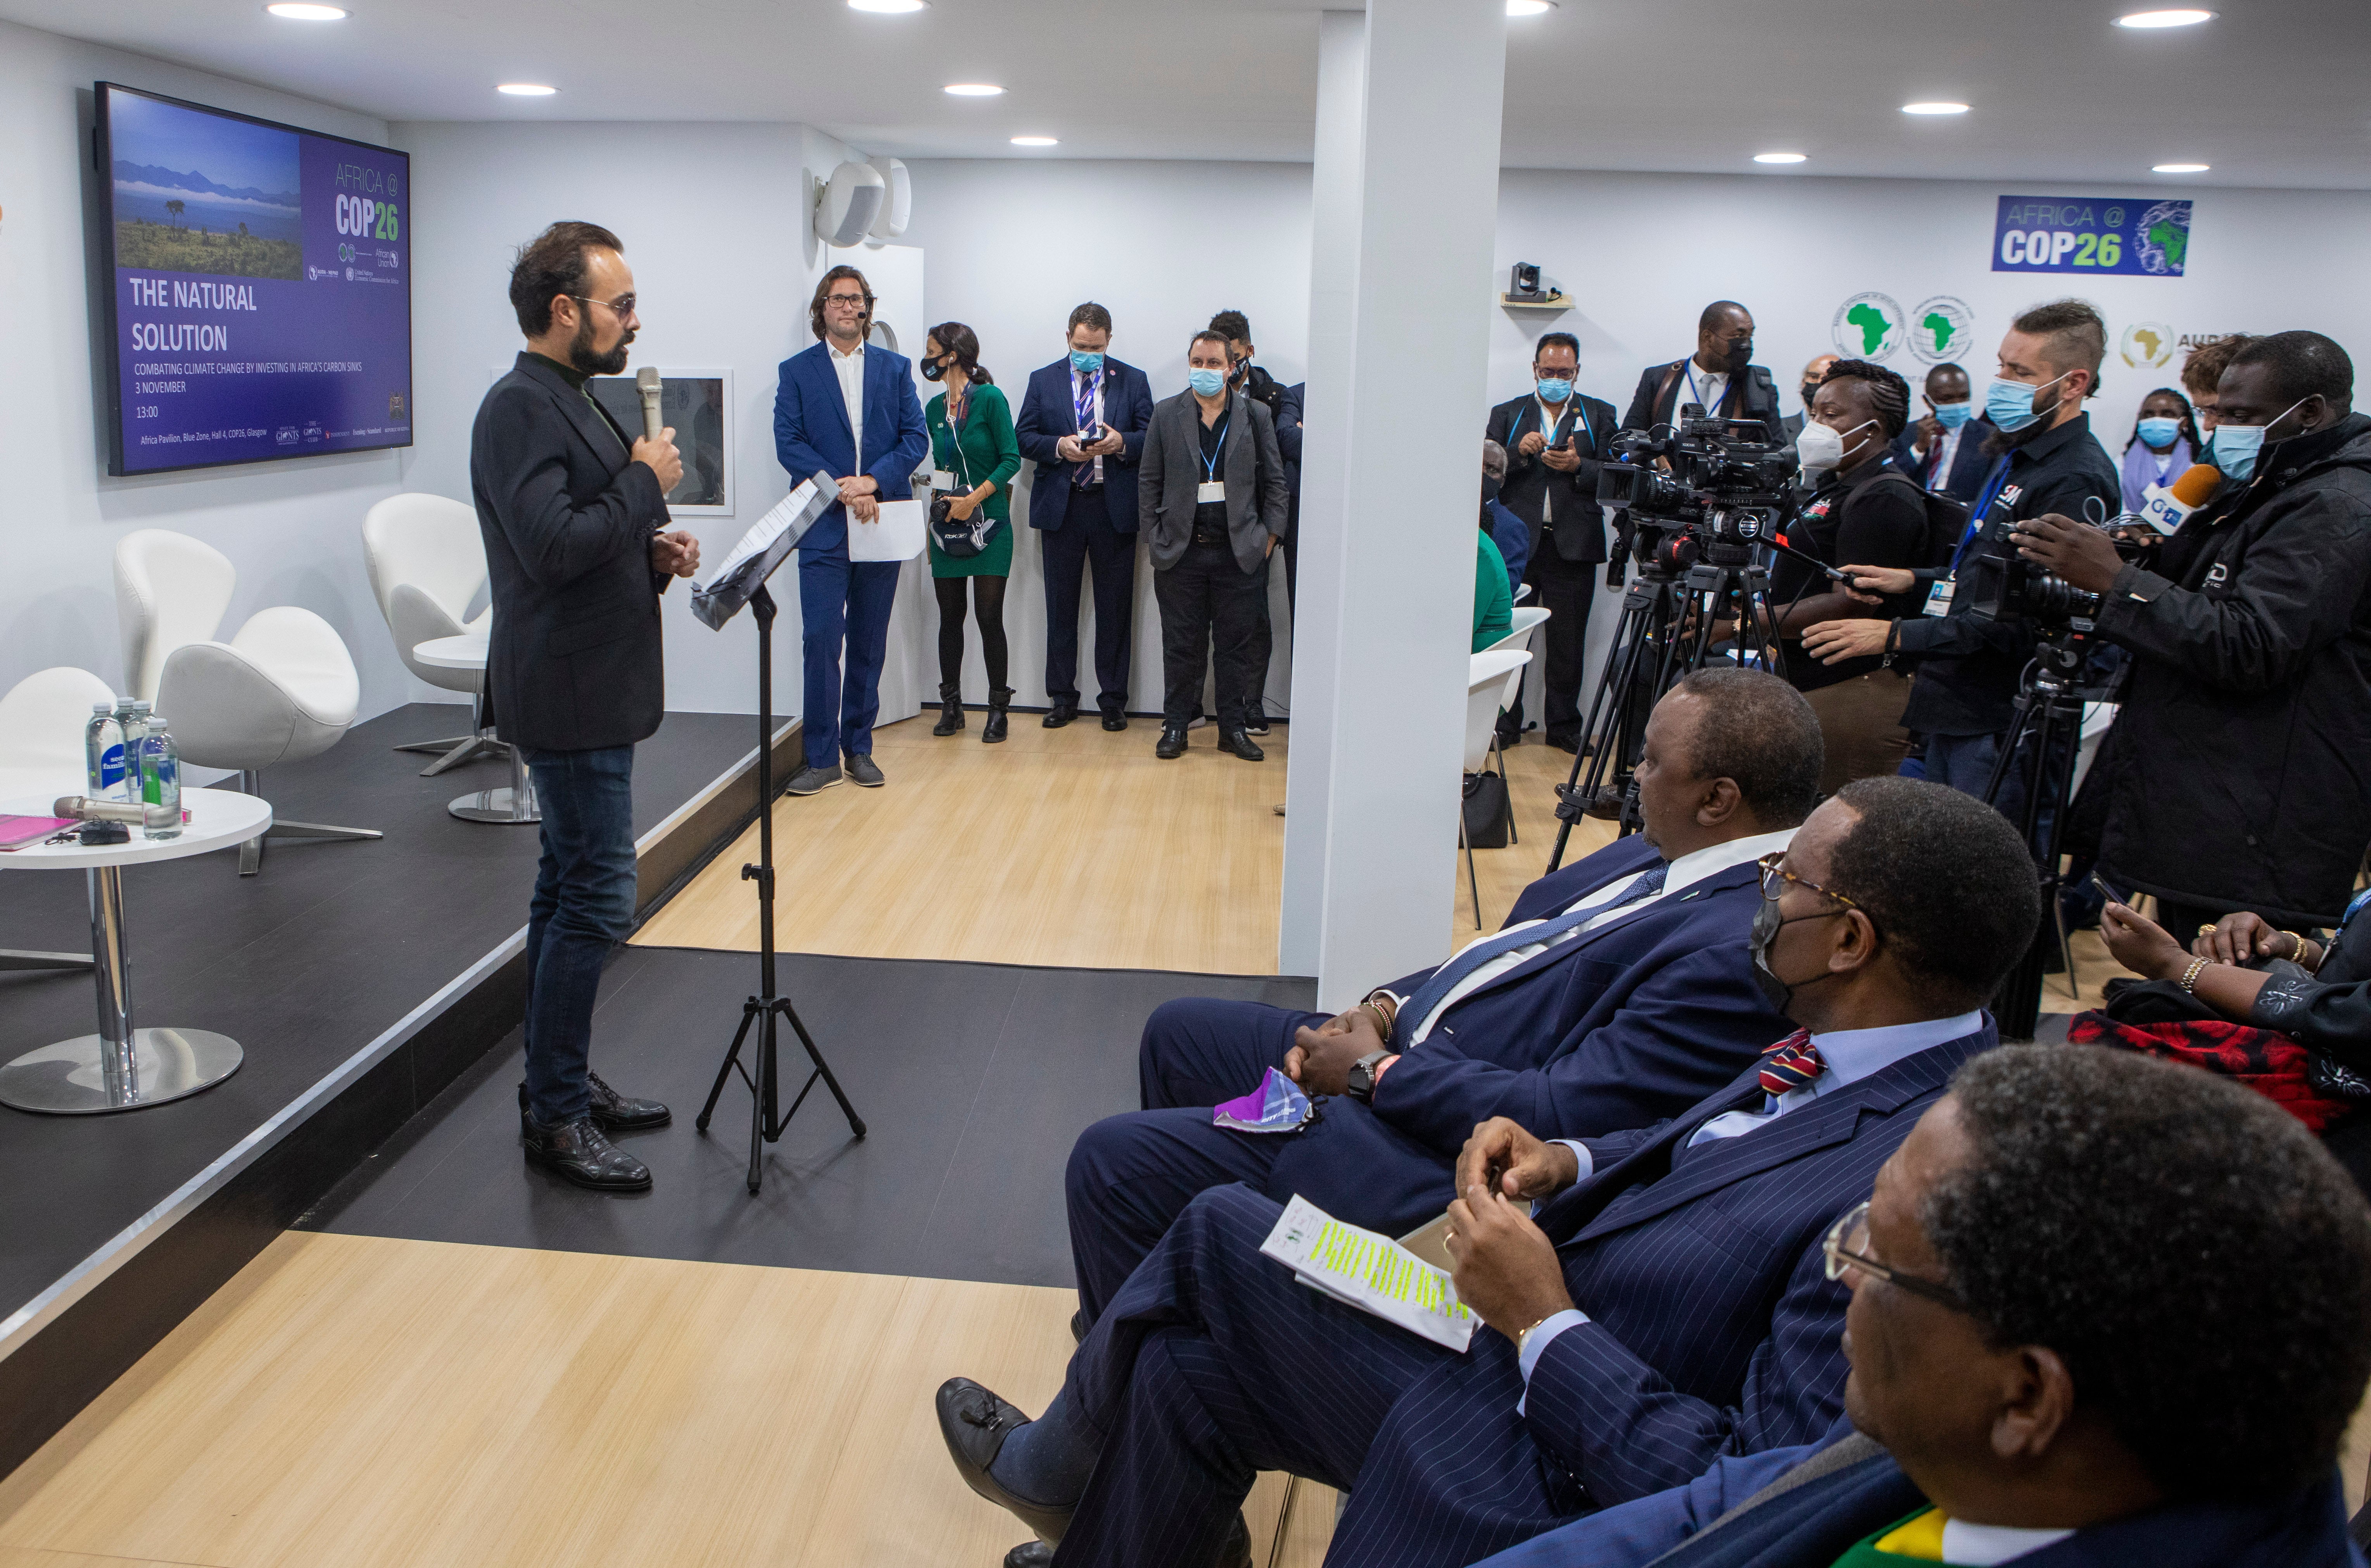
699,405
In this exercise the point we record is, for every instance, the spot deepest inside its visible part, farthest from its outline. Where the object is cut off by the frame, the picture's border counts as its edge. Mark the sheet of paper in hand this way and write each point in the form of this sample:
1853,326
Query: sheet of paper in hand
1370,1272
1276,1106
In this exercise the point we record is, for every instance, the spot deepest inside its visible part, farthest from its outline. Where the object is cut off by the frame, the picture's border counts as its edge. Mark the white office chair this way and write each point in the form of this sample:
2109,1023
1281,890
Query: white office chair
427,564
1522,591
41,724
282,690
1527,618
1489,687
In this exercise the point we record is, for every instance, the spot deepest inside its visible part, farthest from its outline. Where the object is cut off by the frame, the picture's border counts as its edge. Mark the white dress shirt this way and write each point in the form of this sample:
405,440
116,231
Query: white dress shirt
1100,383
1548,417
1985,1546
1685,872
1697,385
1847,1055
850,366
1947,447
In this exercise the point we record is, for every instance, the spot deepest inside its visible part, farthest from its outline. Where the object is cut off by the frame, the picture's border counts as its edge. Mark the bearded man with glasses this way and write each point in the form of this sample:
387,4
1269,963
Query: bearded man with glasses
1658,1297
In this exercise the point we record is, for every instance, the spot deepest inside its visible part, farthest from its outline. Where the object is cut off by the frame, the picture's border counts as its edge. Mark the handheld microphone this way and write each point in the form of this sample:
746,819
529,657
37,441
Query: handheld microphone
2166,508
646,381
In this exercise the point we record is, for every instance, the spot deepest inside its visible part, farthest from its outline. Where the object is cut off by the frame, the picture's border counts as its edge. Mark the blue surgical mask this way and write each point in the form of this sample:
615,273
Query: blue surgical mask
2158,432
1951,416
2009,404
1555,389
2235,446
1084,362
1207,382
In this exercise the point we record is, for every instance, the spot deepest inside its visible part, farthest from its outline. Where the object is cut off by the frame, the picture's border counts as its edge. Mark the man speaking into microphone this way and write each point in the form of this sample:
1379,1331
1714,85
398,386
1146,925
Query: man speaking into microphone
574,515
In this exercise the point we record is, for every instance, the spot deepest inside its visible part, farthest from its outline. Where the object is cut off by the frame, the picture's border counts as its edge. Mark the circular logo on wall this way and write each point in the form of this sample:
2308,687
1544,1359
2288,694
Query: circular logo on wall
1942,328
2161,238
1867,327
2147,344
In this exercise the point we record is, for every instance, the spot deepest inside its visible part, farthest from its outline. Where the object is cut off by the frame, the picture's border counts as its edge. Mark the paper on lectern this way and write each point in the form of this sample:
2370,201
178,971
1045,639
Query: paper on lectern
761,550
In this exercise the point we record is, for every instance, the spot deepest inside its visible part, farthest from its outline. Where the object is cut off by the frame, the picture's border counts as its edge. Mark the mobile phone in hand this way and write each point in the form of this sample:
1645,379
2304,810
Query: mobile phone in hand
1090,435
2110,894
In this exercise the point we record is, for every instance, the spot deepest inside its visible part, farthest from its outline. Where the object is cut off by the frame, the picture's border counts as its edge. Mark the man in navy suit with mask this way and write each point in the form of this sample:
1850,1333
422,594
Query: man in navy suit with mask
846,408
1654,1298
1618,993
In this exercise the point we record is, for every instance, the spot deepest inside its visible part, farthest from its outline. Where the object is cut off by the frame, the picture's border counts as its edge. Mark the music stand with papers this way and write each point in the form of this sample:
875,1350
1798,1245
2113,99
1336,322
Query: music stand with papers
743,580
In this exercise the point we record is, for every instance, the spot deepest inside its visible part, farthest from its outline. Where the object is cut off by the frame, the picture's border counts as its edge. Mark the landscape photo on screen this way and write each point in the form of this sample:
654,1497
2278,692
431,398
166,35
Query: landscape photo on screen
262,302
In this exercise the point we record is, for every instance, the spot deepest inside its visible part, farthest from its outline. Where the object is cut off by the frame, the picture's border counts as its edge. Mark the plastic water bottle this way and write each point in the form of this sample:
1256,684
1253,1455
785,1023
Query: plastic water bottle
133,718
161,781
102,750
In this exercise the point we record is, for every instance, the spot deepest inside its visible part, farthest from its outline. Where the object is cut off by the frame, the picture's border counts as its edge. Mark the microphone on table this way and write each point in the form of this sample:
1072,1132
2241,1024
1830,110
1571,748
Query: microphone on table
646,380
2166,508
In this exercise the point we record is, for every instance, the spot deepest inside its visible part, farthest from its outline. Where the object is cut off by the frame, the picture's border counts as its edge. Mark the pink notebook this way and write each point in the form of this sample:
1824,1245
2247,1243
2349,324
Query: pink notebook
19,832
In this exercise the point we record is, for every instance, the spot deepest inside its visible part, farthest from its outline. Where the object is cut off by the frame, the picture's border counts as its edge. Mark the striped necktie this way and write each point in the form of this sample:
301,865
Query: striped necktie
1445,979
1791,1064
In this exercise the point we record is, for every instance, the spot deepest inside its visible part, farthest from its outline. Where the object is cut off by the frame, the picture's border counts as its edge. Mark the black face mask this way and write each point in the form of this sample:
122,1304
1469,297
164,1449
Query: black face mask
1811,390
1739,353
1776,992
1489,491
935,370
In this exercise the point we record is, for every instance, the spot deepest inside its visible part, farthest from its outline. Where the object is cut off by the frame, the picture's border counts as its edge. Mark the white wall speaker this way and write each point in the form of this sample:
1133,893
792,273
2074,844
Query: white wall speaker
897,202
847,204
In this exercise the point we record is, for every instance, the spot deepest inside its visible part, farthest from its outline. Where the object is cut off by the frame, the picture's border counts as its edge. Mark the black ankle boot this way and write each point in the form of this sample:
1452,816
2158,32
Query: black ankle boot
999,699
951,714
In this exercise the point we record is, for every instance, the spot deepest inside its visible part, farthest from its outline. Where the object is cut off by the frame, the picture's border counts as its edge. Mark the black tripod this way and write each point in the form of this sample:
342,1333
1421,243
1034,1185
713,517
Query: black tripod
765,1124
1685,576
2049,713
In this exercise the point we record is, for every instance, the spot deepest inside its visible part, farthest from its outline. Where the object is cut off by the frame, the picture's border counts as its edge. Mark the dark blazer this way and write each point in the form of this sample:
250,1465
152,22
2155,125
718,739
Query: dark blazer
1841,1495
1968,463
812,433
576,658
1617,1028
1580,524
1662,388
1514,542
1047,414
1249,464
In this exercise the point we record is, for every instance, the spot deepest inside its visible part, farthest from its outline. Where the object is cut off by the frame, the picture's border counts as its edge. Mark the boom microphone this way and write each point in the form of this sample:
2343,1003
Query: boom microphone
646,380
2166,509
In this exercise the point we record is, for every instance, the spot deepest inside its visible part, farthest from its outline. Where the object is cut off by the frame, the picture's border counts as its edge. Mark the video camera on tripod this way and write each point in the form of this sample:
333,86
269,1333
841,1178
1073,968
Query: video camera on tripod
1716,479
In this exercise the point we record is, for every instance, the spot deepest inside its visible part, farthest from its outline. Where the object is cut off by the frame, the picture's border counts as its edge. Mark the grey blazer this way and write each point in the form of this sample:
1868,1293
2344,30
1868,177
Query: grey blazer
1171,469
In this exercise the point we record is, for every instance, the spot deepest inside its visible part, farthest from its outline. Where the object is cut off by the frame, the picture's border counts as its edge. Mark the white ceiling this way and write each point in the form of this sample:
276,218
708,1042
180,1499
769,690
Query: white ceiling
2273,93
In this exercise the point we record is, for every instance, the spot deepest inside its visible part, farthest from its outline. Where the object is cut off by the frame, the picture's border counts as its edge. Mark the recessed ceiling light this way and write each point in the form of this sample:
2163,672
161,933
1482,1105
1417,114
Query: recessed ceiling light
526,89
1530,7
1036,141
1778,157
1933,108
297,13
974,89
2164,19
890,7
2179,169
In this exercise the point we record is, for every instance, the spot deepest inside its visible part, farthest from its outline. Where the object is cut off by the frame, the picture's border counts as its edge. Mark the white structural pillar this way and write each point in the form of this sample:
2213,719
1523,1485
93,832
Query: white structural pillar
1406,205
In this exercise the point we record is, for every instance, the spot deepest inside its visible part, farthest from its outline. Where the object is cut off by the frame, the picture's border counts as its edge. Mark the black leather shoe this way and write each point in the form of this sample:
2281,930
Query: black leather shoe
999,699
582,1153
1236,1554
951,711
1171,742
1255,720
861,770
1061,714
1114,721
1234,739
615,1112
976,1423
1079,1326
1565,740
1030,1555
810,780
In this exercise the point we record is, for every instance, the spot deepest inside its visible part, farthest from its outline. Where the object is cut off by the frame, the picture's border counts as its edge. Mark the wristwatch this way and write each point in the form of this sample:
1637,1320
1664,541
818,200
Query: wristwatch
1361,1081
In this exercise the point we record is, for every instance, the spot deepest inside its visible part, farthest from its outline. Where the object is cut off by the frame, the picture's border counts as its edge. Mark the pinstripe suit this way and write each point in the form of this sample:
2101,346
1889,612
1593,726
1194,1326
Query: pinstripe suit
1713,1329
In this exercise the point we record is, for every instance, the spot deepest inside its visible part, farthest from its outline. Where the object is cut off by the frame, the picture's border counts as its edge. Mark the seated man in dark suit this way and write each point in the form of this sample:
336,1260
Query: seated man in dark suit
2020,1390
1944,449
1619,992
1669,1304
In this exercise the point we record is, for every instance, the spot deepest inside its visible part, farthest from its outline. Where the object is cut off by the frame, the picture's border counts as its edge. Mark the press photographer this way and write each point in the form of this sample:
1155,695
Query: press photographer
2044,459
2236,771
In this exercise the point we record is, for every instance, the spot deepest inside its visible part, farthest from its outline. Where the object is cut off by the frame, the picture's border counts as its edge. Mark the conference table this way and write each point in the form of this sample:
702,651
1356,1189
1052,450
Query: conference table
123,1067
514,803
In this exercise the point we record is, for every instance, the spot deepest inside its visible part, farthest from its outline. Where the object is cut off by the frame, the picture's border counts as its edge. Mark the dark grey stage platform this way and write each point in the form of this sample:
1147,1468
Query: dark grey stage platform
360,978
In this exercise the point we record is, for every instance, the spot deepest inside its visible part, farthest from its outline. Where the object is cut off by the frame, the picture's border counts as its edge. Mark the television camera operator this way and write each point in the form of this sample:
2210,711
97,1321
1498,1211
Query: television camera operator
1970,645
2237,771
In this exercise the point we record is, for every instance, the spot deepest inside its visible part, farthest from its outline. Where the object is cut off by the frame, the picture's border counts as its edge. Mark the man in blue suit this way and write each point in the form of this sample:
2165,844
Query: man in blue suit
846,409
1945,450
1618,993
2018,1391
1669,1304
1083,501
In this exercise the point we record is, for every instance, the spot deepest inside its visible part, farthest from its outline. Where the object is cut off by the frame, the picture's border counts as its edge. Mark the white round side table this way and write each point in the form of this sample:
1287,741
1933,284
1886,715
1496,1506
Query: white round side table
514,804
122,1068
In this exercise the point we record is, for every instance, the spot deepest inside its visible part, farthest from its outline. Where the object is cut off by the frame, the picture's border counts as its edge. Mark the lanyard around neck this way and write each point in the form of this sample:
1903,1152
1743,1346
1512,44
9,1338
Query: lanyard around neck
1218,448
1689,369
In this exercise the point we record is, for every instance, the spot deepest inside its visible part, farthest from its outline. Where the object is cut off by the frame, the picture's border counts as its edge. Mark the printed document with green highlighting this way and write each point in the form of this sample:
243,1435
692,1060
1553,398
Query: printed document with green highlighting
1370,1272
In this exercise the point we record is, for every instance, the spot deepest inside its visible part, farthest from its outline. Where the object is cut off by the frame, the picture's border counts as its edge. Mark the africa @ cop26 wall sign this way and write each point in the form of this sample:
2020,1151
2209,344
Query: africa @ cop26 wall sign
2132,237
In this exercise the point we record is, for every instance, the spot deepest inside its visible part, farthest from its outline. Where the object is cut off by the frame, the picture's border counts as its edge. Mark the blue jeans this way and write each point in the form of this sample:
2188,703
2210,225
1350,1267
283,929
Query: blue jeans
840,600
584,905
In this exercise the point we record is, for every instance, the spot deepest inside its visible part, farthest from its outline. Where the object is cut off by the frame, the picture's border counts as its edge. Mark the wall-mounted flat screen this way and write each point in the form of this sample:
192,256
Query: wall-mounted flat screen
261,306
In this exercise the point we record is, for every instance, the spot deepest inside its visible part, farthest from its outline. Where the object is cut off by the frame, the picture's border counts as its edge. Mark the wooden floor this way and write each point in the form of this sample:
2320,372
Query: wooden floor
1070,847
357,1402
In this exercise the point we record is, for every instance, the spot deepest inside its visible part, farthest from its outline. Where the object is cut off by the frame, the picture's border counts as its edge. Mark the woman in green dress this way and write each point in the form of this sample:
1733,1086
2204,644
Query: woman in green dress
973,448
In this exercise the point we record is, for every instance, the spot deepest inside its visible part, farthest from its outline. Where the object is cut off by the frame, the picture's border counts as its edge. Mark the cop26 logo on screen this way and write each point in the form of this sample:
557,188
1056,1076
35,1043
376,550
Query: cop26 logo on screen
2129,237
